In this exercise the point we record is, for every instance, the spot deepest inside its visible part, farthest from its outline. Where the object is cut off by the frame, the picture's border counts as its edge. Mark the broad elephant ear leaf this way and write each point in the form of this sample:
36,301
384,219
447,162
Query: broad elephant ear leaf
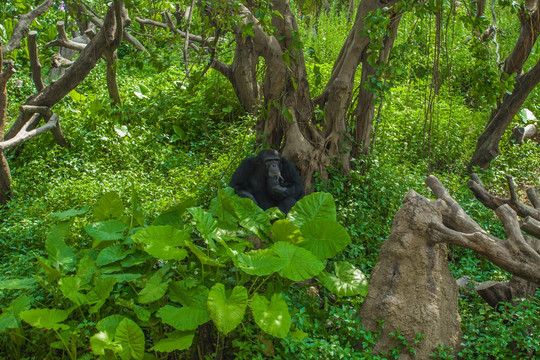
313,207
227,312
324,238
161,241
252,217
183,318
45,318
110,206
285,230
131,338
177,340
300,264
345,281
272,316
260,262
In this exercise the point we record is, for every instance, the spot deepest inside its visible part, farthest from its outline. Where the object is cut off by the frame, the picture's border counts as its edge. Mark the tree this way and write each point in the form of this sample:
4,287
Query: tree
487,147
288,117
39,105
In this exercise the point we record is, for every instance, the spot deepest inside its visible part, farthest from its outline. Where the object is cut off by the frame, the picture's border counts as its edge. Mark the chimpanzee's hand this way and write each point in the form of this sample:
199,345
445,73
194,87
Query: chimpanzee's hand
275,187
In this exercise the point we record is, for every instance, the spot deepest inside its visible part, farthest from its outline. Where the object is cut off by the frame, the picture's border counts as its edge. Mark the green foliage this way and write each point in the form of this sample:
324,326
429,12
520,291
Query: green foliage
174,274
509,331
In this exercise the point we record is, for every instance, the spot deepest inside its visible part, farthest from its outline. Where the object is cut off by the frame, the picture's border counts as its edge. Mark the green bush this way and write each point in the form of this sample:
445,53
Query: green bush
124,287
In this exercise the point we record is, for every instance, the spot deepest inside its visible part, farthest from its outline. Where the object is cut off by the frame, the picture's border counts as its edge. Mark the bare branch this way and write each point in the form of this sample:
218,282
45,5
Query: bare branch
517,254
531,226
21,29
35,66
127,36
493,202
58,61
25,135
195,38
63,39
73,76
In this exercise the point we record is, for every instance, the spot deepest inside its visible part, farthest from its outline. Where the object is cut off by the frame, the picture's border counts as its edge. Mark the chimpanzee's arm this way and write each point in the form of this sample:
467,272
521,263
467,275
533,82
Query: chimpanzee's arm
240,180
292,181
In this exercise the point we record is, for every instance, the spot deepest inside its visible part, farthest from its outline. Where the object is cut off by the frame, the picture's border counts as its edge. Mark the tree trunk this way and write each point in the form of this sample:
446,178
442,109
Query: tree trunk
287,120
487,147
364,111
106,38
6,71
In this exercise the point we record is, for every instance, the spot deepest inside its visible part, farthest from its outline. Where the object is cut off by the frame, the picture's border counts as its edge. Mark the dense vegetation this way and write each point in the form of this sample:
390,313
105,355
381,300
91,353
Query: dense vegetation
173,144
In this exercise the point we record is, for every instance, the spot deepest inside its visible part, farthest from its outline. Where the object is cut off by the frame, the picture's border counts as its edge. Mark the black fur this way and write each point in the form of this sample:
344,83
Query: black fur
252,180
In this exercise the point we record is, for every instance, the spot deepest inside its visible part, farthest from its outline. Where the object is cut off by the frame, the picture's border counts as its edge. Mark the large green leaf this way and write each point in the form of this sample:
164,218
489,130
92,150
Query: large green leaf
155,287
315,206
161,241
102,341
300,263
285,230
177,340
64,215
45,318
109,324
112,254
109,206
252,217
272,316
100,293
345,281
61,256
10,314
183,318
71,286
131,338
203,258
324,238
227,312
206,224
222,207
196,296
106,230
260,262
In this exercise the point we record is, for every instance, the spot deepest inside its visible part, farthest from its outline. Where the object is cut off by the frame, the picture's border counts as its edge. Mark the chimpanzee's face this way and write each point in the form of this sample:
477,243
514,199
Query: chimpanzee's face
272,166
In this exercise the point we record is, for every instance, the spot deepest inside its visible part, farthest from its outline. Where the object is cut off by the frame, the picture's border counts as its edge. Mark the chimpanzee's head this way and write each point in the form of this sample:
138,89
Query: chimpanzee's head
271,161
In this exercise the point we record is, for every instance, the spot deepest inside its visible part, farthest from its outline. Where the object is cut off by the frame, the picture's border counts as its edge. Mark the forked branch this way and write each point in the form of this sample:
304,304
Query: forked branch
517,254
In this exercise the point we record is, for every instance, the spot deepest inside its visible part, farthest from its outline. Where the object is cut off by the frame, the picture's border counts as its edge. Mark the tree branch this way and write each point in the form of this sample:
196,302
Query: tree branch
35,66
21,29
494,202
517,254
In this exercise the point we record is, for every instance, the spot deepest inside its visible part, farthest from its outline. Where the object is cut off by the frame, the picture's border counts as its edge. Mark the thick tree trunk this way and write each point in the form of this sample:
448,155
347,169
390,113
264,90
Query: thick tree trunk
487,147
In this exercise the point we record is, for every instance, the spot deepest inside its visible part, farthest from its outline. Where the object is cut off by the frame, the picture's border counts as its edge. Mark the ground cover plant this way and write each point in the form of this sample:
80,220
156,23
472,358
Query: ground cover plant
82,265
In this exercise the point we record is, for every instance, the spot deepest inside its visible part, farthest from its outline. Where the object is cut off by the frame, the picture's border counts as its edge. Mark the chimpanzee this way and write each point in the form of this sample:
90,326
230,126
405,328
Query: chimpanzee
269,180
